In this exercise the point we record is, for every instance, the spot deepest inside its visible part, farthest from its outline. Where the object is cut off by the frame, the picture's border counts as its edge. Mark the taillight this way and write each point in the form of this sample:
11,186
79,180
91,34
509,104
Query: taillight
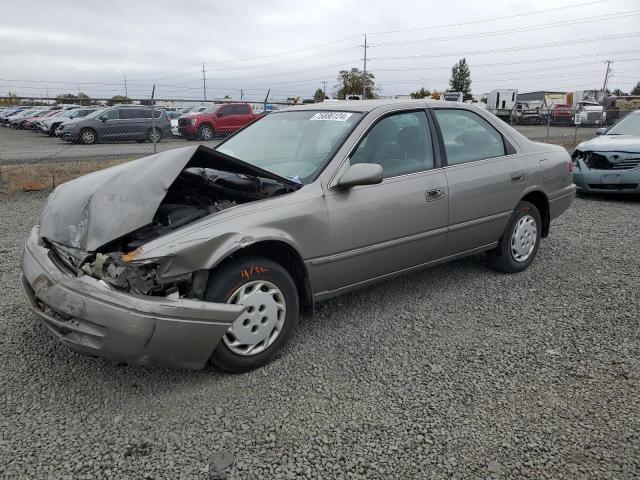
570,166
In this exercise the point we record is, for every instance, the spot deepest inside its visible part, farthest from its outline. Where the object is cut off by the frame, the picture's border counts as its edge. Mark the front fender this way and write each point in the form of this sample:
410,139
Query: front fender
207,253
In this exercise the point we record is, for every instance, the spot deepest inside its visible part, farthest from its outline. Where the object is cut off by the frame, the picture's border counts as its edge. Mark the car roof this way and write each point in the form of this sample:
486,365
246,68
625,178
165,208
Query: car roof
367,105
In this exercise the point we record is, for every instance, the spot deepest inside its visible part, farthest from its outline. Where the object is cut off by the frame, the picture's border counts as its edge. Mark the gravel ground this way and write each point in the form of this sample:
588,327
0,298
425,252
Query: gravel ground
455,372
22,146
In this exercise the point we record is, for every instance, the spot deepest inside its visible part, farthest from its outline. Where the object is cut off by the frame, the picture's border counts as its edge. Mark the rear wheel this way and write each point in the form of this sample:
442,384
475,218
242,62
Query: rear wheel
520,240
154,134
88,136
206,132
270,294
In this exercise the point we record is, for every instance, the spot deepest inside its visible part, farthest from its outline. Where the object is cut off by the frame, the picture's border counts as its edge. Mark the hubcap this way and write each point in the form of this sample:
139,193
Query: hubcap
523,239
259,326
88,136
206,133
155,135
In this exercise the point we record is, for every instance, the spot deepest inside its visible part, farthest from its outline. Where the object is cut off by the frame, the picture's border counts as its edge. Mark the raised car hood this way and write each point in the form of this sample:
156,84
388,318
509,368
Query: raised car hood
611,143
100,207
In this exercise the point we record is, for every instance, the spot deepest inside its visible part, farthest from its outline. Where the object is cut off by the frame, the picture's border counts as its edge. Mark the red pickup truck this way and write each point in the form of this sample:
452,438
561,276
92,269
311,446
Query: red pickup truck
216,120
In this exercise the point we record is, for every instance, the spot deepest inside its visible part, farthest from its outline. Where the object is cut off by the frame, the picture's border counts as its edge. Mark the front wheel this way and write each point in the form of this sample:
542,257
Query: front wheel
88,136
520,240
271,297
205,132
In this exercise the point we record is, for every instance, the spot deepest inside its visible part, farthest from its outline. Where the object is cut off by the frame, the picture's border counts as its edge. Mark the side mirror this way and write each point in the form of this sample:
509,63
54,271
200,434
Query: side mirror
103,119
601,130
361,174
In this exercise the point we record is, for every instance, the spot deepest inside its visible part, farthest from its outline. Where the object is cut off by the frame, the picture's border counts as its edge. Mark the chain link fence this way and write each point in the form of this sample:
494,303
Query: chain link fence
43,144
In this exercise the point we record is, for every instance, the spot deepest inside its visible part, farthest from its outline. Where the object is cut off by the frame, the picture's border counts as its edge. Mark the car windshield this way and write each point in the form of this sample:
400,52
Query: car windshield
629,125
97,112
80,113
291,144
209,109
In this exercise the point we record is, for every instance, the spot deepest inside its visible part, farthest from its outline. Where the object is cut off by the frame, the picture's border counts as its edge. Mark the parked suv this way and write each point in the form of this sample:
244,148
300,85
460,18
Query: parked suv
216,120
117,123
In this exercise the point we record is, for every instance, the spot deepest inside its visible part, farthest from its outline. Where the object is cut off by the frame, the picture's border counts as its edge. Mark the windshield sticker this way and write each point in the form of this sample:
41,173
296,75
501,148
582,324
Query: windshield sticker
333,116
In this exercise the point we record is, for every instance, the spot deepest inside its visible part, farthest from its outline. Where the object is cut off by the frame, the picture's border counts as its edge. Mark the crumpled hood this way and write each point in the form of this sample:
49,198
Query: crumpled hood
611,143
100,207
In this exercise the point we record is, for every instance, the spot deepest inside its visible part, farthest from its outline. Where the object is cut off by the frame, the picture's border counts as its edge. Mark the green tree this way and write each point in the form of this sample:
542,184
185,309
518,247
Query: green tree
80,98
118,99
461,79
422,93
636,89
319,95
350,83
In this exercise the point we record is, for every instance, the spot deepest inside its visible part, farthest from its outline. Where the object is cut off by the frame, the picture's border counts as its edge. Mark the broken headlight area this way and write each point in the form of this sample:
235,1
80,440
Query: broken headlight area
136,276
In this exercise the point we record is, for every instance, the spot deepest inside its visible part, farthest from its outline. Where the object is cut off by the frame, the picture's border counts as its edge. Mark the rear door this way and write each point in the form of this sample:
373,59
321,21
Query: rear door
133,122
398,224
485,177
243,115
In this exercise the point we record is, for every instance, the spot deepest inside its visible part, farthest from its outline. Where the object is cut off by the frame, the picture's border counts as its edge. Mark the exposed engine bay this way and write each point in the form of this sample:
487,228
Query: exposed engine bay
196,193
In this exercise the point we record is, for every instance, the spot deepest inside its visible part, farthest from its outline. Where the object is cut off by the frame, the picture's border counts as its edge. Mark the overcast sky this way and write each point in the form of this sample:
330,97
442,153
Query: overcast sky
292,46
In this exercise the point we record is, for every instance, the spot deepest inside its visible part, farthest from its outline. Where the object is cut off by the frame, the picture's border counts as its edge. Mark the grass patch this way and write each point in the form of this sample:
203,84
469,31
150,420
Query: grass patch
21,177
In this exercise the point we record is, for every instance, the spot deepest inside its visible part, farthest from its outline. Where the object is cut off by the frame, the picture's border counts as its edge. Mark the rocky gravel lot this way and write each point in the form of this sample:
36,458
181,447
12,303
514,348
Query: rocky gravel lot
455,372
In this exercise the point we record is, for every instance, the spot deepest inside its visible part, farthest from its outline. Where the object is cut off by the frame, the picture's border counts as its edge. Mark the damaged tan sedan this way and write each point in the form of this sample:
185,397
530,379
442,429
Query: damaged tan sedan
197,255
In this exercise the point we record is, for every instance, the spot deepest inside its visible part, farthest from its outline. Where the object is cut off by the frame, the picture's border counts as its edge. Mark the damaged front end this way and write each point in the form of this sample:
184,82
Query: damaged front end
114,217
85,273
606,171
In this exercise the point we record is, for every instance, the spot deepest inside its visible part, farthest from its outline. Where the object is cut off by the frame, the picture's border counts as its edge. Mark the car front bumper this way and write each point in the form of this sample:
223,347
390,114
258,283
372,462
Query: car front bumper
188,130
91,317
607,181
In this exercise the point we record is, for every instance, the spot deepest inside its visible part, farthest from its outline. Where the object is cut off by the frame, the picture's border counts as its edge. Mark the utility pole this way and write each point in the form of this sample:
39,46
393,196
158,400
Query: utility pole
241,94
324,90
606,74
204,83
126,92
364,70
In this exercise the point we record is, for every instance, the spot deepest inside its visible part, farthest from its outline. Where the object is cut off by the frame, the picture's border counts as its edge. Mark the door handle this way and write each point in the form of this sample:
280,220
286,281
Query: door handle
517,176
435,194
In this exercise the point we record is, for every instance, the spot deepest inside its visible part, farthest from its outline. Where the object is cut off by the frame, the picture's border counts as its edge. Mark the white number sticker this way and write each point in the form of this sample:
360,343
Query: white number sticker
333,116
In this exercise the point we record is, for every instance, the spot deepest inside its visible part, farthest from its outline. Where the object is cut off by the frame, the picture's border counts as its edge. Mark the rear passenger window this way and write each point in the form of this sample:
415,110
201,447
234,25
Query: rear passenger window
400,143
242,109
468,137
130,113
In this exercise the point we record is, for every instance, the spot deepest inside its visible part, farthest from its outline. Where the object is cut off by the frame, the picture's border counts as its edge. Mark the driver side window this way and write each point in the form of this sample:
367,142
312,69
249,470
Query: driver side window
400,144
112,114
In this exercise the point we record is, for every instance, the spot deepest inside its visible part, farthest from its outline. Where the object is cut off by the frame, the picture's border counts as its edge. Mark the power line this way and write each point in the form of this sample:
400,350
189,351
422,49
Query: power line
563,23
516,49
490,19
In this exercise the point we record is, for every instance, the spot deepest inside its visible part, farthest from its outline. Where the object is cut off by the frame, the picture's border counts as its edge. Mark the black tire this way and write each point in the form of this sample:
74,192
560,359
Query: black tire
502,258
52,130
87,136
225,281
150,135
206,132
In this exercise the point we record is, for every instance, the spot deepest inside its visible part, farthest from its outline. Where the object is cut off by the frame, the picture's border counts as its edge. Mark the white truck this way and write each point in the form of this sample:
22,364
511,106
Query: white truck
587,107
501,102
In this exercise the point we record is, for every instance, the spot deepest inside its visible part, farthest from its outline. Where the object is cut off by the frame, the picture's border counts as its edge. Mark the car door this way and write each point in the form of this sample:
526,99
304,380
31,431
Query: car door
224,118
400,223
243,116
485,177
132,124
108,125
